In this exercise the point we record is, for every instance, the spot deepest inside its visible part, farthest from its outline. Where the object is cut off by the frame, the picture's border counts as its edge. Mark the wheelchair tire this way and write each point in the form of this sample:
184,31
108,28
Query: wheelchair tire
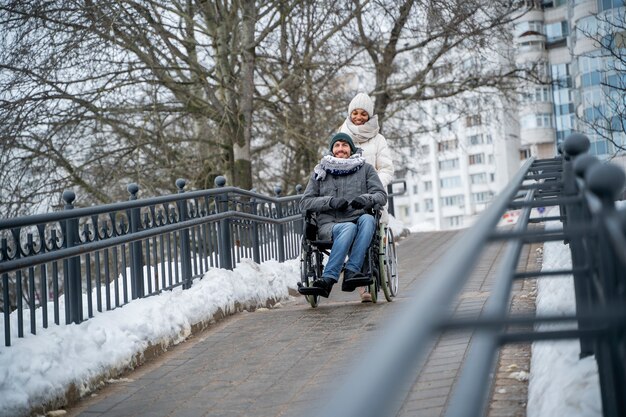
382,261
309,262
391,264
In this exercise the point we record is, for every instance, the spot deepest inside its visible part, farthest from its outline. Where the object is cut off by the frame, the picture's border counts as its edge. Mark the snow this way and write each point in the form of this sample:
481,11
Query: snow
41,368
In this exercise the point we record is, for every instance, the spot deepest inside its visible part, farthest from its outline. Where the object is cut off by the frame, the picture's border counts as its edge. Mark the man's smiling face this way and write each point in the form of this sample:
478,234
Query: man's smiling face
341,149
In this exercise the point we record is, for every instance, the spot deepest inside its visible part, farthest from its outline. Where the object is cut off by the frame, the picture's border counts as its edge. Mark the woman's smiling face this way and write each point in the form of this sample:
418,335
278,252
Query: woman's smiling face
359,116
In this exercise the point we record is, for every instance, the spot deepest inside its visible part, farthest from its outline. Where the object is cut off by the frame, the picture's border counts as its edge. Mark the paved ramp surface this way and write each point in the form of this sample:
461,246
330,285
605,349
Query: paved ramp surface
287,361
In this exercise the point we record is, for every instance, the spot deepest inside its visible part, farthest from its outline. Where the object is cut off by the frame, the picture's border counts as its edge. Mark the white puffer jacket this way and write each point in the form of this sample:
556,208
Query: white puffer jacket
376,153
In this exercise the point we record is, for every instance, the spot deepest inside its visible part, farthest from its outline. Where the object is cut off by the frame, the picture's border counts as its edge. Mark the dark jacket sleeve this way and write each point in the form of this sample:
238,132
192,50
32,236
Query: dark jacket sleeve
376,193
312,200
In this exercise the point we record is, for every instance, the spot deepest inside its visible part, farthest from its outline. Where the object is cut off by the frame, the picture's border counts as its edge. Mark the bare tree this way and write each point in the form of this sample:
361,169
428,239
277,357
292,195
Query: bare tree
303,93
425,50
115,91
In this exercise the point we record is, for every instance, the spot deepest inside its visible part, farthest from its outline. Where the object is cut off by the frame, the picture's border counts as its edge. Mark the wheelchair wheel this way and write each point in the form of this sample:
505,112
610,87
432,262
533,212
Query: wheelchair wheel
309,270
382,262
391,263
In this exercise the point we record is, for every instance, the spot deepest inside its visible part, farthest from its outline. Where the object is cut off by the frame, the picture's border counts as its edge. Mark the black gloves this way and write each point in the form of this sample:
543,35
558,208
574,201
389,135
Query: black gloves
360,203
338,203
341,203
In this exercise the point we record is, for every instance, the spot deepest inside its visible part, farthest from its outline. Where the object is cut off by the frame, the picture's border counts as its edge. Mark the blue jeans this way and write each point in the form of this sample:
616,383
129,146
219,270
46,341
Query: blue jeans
347,235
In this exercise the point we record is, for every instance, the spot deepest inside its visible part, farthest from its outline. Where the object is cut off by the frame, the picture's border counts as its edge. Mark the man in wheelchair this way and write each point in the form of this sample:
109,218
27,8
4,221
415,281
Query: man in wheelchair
342,188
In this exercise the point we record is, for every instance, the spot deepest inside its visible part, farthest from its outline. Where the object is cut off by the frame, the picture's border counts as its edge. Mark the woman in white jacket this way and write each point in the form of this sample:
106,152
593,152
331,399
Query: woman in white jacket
363,127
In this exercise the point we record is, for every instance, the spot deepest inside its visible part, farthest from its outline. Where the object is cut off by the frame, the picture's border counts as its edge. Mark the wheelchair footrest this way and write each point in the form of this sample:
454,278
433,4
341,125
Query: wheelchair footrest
312,291
349,285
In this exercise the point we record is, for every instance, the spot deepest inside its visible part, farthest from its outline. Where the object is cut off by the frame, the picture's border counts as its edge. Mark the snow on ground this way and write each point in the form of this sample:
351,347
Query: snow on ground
40,368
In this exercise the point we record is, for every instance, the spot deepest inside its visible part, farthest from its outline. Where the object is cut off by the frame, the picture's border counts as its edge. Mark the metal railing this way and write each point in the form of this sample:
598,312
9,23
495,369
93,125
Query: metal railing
63,266
585,190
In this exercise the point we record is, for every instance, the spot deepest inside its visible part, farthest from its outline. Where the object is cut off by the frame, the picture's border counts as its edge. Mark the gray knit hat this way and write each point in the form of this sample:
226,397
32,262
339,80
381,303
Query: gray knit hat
362,101
344,137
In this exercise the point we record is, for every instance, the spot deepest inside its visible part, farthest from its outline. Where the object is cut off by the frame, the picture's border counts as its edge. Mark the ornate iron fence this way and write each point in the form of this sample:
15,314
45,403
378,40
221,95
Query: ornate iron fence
63,266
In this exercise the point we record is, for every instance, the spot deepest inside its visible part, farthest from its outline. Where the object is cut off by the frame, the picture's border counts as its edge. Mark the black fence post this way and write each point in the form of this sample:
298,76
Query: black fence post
299,223
73,292
607,181
136,257
574,146
185,246
256,250
224,246
280,229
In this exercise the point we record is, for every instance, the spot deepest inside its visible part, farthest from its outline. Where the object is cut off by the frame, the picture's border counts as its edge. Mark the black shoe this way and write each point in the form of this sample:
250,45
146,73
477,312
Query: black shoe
325,284
352,280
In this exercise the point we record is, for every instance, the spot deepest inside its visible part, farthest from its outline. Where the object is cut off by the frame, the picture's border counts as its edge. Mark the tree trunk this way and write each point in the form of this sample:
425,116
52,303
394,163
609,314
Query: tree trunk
241,145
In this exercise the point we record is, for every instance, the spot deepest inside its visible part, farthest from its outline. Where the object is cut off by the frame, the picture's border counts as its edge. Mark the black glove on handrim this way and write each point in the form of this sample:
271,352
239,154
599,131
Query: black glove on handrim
360,203
338,203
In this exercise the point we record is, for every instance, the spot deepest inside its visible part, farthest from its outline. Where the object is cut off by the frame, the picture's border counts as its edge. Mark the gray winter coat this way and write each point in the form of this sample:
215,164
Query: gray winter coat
318,194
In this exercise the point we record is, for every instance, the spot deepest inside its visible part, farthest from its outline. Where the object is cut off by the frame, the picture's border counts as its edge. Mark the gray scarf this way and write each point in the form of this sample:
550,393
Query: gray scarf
338,166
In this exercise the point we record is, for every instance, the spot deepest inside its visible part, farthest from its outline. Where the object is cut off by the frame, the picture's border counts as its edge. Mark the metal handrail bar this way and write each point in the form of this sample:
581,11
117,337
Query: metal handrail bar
556,272
571,231
546,202
139,203
469,398
545,219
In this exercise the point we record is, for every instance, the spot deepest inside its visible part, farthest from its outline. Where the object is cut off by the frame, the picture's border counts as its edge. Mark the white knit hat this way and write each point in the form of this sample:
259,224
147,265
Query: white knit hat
362,101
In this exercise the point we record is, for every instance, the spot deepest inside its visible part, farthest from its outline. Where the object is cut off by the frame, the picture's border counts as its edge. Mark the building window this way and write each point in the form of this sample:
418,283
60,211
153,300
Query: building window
415,189
416,207
482,197
429,205
476,139
556,31
476,159
448,145
537,95
450,182
473,120
448,164
425,149
534,26
454,221
609,4
428,185
492,177
532,121
425,168
453,201
478,178
524,154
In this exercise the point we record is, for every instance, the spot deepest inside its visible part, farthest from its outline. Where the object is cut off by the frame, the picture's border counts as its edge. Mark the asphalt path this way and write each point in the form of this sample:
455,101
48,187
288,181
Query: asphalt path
288,361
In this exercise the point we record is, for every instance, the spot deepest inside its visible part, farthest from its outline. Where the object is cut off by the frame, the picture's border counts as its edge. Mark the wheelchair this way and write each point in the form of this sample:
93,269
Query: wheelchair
380,262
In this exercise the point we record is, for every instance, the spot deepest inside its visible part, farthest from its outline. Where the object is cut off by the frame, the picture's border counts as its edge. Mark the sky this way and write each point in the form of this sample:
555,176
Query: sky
38,368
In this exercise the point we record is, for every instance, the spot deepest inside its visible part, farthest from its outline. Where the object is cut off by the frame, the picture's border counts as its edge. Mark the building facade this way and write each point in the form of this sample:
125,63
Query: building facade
454,175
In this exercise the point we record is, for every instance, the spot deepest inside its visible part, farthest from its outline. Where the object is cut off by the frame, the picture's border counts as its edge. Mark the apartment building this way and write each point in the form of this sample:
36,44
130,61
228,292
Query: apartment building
564,38
456,171
454,175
